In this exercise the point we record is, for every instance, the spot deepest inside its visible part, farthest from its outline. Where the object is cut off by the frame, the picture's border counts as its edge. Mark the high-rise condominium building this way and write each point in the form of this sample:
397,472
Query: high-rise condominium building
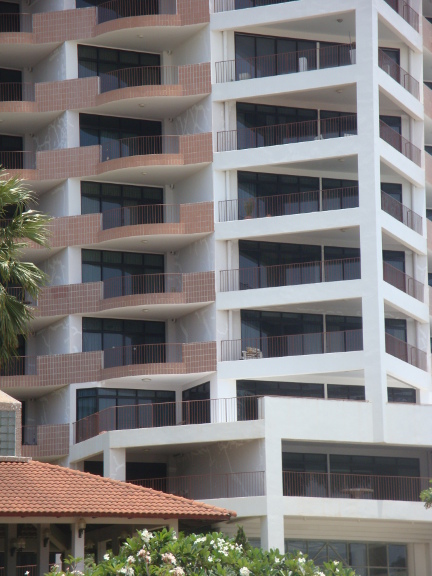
238,304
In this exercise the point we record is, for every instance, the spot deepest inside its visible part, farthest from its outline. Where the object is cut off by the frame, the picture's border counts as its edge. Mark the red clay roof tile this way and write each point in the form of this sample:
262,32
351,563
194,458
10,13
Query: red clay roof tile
40,489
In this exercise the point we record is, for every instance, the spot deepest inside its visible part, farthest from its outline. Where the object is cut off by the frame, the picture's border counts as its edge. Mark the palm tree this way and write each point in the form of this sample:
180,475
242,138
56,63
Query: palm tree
18,226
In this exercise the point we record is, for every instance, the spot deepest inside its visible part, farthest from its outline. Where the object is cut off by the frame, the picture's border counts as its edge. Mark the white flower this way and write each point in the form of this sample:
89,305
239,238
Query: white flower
302,560
169,558
244,571
26,573
277,560
130,560
146,536
336,562
177,571
106,556
210,559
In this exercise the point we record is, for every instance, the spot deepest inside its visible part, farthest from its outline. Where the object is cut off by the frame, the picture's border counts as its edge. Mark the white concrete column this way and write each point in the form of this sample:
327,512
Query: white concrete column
173,525
370,209
114,460
10,560
77,547
272,525
101,550
42,551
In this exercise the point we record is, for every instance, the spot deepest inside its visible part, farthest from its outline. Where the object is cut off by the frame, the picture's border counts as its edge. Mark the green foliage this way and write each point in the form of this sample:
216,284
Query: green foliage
426,496
16,230
163,554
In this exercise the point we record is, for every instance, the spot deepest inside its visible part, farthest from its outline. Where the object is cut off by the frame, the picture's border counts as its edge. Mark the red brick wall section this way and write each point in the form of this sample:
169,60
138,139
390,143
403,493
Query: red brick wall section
52,441
199,287
199,357
196,148
63,369
195,79
197,218
69,299
68,162
67,94
64,25
193,11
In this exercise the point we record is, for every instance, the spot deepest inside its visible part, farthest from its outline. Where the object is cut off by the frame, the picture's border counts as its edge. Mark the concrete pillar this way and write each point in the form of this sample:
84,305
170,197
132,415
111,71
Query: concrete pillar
115,463
370,213
173,525
77,547
42,551
101,550
10,561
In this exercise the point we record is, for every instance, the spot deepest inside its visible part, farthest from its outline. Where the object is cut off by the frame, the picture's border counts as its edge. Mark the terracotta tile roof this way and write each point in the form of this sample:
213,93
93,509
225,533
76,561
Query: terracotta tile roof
39,489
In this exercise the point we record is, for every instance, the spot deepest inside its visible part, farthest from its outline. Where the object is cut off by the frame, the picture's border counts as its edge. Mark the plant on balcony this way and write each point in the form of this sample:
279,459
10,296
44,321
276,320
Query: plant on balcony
18,226
426,496
163,554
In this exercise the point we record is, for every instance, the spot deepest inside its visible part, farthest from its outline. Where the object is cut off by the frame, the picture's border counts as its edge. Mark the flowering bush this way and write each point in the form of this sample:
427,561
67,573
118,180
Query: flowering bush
163,554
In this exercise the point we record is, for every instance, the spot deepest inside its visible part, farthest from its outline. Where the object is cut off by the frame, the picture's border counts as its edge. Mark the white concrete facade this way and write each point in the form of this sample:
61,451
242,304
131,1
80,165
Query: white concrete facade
237,443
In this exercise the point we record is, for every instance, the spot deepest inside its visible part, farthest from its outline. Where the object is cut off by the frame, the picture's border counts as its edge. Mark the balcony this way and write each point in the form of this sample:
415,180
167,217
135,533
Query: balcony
220,410
407,13
400,143
291,345
353,486
226,5
209,486
115,9
401,213
401,76
406,352
58,370
288,63
288,204
173,290
16,92
46,441
281,134
18,160
403,282
289,274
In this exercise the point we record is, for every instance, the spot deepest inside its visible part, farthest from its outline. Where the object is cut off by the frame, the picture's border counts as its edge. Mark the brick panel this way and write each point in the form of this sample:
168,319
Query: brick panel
196,148
64,25
195,79
67,94
199,357
52,441
68,162
199,287
197,218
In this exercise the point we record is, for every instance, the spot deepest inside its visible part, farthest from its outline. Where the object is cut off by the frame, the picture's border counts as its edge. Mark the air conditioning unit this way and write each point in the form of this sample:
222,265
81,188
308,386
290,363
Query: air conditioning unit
303,64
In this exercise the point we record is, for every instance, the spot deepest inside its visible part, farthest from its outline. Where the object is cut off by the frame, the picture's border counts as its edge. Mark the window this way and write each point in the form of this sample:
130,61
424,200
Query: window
98,198
127,339
402,395
367,559
339,194
94,61
7,433
396,328
276,195
12,23
343,333
269,264
196,404
341,263
109,130
341,392
337,124
8,92
272,120
260,56
392,190
122,272
123,409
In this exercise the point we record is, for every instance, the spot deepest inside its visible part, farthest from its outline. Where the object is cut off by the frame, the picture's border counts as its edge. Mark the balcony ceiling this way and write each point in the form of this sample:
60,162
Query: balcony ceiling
149,38
19,124
348,307
341,167
346,237
326,28
24,55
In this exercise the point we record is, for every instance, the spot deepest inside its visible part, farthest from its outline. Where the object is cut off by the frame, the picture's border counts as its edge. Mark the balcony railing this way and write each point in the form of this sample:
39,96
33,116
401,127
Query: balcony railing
220,410
226,5
142,284
289,274
209,486
291,345
15,23
402,145
116,9
401,213
403,282
287,133
136,215
355,486
139,146
399,74
144,76
143,354
288,204
286,63
17,91
407,13
19,366
406,352
18,160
